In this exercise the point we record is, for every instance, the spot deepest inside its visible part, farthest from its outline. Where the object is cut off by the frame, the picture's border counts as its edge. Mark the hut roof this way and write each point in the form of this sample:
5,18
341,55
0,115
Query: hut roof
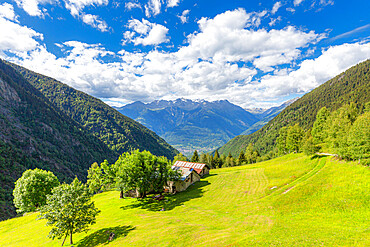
198,167
185,172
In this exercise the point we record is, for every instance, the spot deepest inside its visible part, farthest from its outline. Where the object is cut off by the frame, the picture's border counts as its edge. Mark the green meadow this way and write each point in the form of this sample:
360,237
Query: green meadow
293,200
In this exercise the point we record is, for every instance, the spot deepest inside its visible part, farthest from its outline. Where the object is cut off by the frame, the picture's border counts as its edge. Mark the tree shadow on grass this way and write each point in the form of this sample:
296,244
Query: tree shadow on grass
171,201
102,236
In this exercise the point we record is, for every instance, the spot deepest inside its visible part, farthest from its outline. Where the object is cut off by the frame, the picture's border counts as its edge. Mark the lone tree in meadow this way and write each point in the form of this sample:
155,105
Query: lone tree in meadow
32,188
69,210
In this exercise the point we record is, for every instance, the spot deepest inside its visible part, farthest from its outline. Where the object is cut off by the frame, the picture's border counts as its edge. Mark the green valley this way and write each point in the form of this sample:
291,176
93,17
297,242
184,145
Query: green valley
288,201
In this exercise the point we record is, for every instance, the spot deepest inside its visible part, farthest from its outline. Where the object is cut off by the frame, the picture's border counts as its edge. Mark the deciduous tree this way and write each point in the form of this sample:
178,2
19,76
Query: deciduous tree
32,188
69,210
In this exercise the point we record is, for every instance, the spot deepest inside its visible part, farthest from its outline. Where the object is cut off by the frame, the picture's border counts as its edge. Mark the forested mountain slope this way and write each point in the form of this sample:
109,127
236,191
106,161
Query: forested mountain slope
352,85
119,132
33,133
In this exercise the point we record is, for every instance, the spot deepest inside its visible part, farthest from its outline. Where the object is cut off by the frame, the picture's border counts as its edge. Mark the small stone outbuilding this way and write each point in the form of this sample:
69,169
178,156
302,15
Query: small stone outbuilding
188,177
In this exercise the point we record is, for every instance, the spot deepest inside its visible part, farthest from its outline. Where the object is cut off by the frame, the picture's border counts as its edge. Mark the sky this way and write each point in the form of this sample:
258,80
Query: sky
253,53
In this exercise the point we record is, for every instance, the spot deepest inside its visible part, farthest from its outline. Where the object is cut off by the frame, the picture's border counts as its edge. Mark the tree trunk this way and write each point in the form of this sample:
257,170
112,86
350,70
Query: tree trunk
65,238
71,241
121,194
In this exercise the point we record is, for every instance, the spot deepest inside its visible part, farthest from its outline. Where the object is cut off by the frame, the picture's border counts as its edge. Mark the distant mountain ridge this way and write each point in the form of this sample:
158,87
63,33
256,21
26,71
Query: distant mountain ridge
265,115
353,85
193,124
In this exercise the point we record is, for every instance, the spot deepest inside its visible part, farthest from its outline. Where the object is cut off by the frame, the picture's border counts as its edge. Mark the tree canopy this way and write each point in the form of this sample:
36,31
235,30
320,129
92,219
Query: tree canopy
32,188
195,157
69,210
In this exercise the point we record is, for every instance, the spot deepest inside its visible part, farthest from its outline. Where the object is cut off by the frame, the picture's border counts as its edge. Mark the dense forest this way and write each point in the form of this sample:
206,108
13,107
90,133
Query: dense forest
33,133
352,85
119,132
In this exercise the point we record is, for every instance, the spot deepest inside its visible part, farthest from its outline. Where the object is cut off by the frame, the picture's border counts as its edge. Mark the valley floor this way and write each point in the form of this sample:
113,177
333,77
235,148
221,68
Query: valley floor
289,201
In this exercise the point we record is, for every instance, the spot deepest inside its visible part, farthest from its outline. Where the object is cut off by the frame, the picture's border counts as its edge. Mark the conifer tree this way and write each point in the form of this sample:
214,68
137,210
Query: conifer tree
281,140
319,132
179,157
241,158
217,160
195,157
294,138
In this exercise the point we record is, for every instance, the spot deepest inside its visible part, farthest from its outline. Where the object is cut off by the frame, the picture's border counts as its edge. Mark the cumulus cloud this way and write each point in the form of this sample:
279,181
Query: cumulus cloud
145,33
276,7
74,6
297,2
32,6
274,21
132,5
212,65
172,3
17,38
313,72
7,11
226,38
94,21
184,16
153,7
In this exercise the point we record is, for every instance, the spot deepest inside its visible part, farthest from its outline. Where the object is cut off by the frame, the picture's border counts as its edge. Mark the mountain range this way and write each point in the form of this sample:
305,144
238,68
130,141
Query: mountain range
199,124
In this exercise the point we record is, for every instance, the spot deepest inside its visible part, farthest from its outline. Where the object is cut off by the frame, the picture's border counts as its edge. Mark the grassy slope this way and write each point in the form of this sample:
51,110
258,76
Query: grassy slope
316,202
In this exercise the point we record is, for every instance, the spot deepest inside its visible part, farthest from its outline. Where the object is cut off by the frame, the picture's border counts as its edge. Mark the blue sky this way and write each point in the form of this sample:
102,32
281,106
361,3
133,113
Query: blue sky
252,53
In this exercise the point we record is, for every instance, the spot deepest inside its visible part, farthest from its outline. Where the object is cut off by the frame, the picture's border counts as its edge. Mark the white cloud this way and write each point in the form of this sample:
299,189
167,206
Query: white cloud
145,33
93,20
76,6
17,38
7,11
313,72
172,3
32,6
326,2
132,5
226,39
153,7
276,7
354,31
184,16
220,61
290,10
297,2
274,21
